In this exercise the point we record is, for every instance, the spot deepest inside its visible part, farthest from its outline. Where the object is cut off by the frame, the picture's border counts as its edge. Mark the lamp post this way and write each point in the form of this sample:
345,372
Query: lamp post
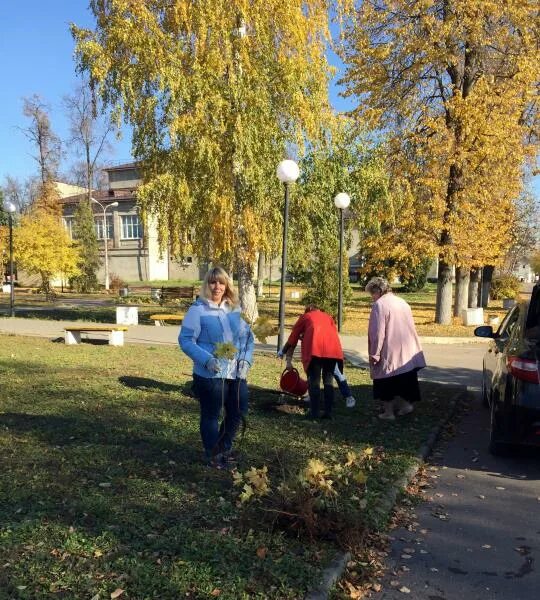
106,249
341,201
287,172
11,208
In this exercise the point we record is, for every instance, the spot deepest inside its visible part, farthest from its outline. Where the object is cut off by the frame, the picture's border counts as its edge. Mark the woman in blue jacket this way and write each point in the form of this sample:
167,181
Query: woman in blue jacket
218,383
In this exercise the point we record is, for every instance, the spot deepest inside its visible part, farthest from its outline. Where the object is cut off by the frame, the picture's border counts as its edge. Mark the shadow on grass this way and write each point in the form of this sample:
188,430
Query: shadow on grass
145,384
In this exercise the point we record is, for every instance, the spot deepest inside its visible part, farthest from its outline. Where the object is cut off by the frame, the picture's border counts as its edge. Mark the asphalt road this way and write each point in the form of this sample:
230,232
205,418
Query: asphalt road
477,535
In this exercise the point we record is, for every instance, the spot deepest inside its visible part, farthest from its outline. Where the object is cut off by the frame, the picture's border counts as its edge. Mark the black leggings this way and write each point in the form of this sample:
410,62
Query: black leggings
317,367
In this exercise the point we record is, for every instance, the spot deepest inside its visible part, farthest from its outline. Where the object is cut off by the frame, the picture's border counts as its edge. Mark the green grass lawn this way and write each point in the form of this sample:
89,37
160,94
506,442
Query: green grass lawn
102,484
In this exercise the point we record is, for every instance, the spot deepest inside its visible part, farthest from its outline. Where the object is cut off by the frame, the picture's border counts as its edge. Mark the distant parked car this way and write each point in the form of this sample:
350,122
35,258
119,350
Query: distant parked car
510,378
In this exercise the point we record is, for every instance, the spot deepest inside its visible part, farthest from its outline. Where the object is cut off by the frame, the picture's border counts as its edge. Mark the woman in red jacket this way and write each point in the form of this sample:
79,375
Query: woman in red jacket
321,350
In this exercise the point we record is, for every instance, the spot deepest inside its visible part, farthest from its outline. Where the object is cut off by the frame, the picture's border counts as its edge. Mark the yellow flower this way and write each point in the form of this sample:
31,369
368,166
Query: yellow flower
225,350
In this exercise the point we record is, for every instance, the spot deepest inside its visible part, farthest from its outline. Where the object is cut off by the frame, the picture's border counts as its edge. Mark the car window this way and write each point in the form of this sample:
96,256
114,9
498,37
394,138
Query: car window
509,322
532,325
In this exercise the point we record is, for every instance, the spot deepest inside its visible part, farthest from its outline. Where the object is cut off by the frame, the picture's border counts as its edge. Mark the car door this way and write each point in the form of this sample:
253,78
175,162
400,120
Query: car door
497,352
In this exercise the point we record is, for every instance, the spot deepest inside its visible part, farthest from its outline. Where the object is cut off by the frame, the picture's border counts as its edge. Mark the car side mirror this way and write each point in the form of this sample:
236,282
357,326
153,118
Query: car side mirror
484,331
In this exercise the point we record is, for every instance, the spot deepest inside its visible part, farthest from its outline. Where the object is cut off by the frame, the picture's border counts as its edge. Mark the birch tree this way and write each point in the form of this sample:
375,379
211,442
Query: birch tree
217,93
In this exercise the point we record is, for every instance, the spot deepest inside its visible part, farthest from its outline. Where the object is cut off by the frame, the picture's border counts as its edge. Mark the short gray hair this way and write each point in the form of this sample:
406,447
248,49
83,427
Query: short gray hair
378,284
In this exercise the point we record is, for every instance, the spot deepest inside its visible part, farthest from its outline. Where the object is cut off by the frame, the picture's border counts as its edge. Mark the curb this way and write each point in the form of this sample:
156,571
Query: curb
331,574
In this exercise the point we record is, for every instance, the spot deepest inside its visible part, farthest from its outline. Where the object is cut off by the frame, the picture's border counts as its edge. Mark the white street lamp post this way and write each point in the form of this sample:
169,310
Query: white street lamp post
10,209
287,172
341,201
105,239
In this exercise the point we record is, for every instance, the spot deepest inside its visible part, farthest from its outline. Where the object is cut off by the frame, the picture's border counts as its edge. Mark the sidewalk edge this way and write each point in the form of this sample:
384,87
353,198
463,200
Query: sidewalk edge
332,574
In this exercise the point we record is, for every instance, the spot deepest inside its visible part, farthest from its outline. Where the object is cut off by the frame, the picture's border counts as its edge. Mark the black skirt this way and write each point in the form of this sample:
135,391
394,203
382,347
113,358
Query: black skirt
404,385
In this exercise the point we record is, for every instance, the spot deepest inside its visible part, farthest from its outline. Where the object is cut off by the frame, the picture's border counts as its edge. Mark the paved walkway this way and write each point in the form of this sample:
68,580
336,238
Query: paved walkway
450,360
477,537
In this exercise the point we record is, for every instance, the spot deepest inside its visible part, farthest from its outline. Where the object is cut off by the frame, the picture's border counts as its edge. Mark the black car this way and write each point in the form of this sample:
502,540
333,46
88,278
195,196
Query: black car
510,378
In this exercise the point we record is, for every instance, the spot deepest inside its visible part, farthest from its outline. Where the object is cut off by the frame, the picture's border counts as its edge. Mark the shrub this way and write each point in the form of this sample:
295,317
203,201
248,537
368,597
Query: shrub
116,282
506,286
324,500
416,279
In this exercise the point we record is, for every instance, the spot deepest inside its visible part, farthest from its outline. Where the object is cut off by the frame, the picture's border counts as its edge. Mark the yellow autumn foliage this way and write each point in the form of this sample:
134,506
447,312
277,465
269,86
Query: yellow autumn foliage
43,247
217,93
452,88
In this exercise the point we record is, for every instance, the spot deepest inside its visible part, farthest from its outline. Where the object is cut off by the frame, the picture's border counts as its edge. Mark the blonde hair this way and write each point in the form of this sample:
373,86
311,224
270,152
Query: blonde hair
219,274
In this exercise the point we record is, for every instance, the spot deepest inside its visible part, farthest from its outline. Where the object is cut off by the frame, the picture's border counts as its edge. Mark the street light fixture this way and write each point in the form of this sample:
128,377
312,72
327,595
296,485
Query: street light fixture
10,209
106,249
342,201
287,172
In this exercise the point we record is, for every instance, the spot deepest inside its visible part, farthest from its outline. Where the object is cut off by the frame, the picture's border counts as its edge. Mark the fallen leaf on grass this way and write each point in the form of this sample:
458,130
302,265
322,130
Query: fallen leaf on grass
376,587
354,592
394,583
117,593
215,592
261,552
404,590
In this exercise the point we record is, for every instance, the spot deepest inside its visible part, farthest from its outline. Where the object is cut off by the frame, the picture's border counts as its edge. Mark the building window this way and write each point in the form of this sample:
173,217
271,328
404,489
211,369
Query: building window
98,222
68,224
131,227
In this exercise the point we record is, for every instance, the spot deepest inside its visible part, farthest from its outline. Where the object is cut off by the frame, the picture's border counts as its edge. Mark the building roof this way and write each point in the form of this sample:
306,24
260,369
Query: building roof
102,196
122,167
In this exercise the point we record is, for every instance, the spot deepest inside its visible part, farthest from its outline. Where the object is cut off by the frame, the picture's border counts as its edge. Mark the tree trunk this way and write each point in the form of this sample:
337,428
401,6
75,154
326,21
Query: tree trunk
473,288
462,290
246,290
260,275
443,310
487,276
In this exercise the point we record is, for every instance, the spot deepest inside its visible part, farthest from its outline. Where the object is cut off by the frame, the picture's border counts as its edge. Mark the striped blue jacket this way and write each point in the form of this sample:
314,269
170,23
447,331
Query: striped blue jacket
207,324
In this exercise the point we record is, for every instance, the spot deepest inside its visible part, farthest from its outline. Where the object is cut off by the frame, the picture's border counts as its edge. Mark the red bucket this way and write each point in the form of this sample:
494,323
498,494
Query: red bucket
292,383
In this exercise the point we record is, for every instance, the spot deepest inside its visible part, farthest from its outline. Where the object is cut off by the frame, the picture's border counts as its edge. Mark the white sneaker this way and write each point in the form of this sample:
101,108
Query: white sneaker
405,410
387,416
403,407
350,402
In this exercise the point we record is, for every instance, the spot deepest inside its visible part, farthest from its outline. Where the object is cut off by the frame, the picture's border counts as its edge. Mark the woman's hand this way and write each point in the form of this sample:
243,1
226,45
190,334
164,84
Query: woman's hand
243,368
213,365
373,361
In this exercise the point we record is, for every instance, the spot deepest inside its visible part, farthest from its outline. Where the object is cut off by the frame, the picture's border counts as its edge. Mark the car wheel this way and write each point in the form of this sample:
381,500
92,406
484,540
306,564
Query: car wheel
496,447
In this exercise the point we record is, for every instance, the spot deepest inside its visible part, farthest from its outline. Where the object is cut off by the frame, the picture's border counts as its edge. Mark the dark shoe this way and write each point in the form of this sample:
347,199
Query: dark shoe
217,462
231,456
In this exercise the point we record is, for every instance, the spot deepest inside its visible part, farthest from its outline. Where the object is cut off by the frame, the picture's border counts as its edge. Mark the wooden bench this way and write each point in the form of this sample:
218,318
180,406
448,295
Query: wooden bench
162,318
72,335
176,293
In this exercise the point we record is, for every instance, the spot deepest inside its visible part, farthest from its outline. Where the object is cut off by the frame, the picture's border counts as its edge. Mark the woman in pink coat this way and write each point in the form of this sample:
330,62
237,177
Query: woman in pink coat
395,354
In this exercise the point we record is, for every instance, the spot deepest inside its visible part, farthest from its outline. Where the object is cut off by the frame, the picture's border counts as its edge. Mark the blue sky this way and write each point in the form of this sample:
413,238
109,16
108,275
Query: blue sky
36,56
